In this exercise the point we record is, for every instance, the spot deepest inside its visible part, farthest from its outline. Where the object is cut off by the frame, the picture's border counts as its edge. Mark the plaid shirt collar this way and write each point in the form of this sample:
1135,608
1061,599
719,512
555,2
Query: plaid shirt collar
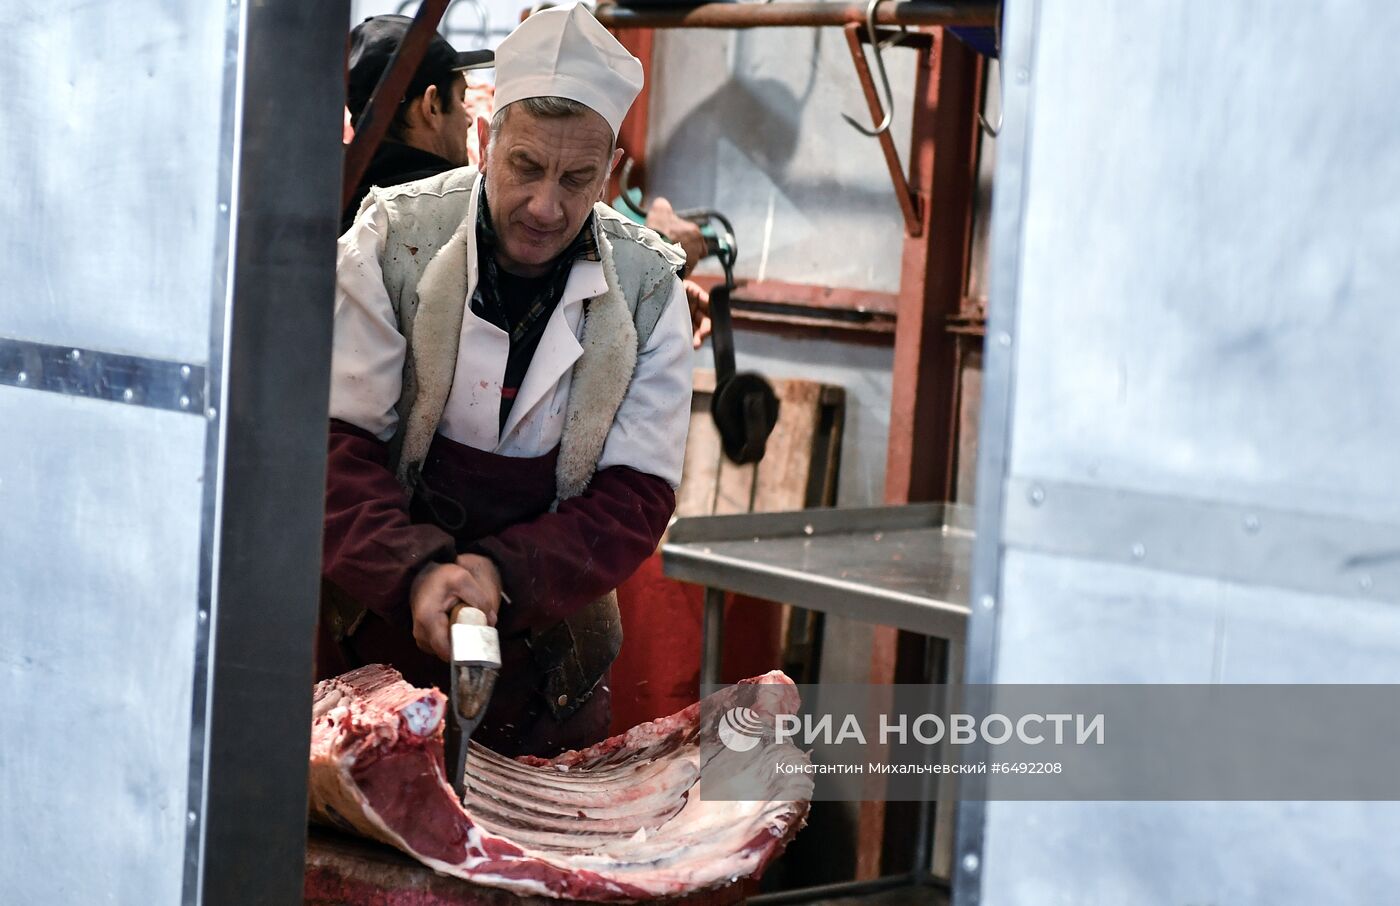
486,300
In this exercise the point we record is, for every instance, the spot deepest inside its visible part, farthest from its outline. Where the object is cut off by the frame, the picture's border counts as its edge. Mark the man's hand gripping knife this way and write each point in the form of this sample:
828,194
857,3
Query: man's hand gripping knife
454,614
472,580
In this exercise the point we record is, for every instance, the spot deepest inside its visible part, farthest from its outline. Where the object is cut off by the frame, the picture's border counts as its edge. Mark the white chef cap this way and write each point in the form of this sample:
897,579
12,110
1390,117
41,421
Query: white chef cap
567,53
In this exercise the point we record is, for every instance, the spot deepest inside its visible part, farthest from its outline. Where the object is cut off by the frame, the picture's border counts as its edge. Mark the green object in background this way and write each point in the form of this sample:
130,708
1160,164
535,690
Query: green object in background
634,210
716,245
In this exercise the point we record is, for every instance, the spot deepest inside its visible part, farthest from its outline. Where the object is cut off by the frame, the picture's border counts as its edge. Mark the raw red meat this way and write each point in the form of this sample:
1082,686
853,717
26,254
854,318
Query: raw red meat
622,820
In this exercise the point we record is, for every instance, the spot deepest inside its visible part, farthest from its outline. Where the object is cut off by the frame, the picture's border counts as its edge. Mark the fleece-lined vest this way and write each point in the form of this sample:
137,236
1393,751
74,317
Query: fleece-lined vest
428,253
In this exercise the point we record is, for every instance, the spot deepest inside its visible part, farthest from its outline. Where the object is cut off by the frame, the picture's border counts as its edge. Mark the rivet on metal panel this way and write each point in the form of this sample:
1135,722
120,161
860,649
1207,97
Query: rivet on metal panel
1004,338
75,355
184,371
988,602
807,529
127,394
211,413
1139,551
22,377
184,402
1037,495
970,862
1251,523
1364,582
204,616
192,819
223,207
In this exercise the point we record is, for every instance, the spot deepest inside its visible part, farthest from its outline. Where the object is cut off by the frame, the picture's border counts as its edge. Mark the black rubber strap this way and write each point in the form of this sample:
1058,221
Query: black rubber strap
722,334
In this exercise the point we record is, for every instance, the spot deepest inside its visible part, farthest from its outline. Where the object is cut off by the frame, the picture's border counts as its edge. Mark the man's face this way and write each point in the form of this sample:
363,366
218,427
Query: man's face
543,176
455,126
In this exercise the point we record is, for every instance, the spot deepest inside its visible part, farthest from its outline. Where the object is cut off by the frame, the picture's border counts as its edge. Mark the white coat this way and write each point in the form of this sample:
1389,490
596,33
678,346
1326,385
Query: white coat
648,433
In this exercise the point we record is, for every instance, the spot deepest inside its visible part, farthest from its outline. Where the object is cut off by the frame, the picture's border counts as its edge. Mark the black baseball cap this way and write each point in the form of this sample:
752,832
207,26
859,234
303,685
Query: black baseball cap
372,45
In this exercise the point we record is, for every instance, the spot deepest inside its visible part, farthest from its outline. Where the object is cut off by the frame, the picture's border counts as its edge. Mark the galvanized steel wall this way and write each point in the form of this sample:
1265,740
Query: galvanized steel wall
167,236
1188,448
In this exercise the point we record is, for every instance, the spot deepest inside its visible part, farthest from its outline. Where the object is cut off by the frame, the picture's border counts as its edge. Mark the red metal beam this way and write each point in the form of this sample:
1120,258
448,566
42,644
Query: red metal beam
806,310
809,295
908,201
632,135
921,457
802,325
379,112
942,169
795,15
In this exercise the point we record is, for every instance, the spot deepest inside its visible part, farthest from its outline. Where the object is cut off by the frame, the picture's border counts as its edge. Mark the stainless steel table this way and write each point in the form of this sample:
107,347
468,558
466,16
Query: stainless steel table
903,566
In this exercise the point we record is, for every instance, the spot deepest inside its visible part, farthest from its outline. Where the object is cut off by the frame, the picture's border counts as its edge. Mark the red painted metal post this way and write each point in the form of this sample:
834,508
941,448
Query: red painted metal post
908,199
790,14
632,136
920,460
918,464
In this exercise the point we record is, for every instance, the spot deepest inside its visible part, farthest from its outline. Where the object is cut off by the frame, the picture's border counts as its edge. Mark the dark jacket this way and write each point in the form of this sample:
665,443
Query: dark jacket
470,500
393,164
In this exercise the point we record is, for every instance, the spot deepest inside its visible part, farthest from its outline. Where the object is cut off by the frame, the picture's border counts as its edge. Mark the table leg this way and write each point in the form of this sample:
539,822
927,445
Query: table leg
712,638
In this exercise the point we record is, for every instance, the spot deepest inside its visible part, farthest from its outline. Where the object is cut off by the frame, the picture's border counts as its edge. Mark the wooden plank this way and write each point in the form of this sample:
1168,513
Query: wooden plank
785,470
782,481
704,381
802,629
734,493
343,870
807,437
784,473
700,477
826,451
734,484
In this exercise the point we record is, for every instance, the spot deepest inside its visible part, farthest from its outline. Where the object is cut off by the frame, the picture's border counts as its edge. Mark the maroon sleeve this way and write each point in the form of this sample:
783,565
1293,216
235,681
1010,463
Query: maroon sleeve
557,562
372,550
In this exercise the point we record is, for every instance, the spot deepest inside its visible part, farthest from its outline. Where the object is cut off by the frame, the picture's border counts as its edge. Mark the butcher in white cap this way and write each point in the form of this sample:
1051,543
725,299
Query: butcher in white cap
509,401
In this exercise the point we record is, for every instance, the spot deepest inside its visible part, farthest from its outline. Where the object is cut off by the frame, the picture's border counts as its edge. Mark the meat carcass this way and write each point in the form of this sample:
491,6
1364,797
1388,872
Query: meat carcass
622,820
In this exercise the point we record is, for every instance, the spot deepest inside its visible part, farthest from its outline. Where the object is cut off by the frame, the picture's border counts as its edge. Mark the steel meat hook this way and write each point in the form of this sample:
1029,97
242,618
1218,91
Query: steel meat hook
884,77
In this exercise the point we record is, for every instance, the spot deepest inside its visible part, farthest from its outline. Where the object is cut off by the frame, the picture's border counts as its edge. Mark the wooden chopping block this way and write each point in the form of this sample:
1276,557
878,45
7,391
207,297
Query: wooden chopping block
342,870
